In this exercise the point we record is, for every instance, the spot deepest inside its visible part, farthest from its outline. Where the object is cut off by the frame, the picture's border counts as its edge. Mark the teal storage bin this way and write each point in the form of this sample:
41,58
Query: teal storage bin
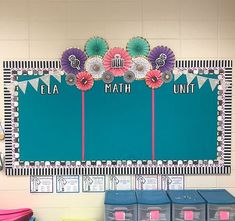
153,205
220,205
120,205
187,205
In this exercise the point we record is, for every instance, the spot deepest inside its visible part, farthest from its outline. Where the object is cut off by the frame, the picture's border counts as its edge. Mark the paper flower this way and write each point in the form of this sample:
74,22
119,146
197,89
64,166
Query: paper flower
94,66
84,81
154,79
96,46
138,46
129,76
117,61
73,60
70,79
107,77
140,67
167,77
162,58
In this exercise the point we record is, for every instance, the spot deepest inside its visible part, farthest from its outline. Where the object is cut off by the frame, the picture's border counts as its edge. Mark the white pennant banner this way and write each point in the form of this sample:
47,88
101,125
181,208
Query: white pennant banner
46,79
213,83
176,76
34,83
201,80
57,77
190,77
23,85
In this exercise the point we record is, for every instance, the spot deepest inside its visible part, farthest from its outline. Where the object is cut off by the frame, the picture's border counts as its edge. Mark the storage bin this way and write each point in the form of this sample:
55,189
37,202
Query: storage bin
120,205
220,205
187,205
153,205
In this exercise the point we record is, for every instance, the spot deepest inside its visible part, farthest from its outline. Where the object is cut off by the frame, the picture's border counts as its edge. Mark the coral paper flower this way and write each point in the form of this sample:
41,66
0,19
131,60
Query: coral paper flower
96,46
117,61
162,58
85,81
73,60
138,46
154,79
94,66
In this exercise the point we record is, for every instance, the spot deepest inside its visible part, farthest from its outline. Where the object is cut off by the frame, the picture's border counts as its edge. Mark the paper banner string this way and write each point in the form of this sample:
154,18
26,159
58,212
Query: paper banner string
200,79
34,82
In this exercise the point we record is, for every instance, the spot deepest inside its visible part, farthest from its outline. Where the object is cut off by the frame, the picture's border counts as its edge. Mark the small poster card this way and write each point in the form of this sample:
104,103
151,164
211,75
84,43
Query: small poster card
67,184
93,183
41,184
146,182
172,182
122,182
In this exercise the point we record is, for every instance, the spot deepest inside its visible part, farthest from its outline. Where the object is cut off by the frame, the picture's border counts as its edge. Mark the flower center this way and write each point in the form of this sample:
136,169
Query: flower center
96,67
139,67
84,81
154,79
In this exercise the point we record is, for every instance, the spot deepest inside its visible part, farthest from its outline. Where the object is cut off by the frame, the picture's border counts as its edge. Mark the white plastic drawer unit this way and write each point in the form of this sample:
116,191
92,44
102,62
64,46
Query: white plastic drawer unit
120,205
187,205
153,205
220,205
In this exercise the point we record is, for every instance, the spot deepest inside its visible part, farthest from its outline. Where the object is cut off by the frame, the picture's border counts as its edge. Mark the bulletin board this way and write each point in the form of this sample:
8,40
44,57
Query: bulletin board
182,128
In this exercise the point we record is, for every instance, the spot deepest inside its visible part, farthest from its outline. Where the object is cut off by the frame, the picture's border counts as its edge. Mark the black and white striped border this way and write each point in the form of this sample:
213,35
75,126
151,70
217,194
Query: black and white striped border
116,167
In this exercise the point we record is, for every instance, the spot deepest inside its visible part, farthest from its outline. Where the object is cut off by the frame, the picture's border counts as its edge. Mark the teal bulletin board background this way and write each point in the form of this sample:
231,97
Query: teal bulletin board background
118,125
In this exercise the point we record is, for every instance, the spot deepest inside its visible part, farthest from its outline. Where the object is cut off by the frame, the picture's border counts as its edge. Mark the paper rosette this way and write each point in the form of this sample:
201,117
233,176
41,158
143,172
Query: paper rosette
117,61
129,77
84,81
162,58
73,60
94,66
154,79
138,46
140,67
96,46
70,79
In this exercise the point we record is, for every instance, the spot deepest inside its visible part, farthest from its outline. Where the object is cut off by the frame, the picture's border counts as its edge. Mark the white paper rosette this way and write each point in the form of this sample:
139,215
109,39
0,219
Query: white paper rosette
94,66
140,67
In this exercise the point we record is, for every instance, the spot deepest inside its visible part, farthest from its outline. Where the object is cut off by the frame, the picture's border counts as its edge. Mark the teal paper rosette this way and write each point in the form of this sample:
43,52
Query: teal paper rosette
96,46
138,46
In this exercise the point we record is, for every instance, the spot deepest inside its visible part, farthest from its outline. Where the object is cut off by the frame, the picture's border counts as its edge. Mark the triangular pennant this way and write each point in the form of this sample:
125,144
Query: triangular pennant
177,75
201,80
213,83
57,77
190,77
23,85
46,79
34,83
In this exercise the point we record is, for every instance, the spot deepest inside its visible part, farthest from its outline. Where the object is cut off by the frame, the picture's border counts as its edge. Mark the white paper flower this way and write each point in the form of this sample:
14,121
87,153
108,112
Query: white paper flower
140,67
94,66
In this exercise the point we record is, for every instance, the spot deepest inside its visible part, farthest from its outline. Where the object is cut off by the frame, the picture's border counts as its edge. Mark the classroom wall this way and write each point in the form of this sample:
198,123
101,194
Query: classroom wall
42,29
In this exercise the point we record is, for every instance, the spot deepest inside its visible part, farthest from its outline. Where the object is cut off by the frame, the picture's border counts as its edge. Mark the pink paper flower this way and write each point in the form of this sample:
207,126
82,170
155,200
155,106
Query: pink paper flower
85,81
154,79
117,61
